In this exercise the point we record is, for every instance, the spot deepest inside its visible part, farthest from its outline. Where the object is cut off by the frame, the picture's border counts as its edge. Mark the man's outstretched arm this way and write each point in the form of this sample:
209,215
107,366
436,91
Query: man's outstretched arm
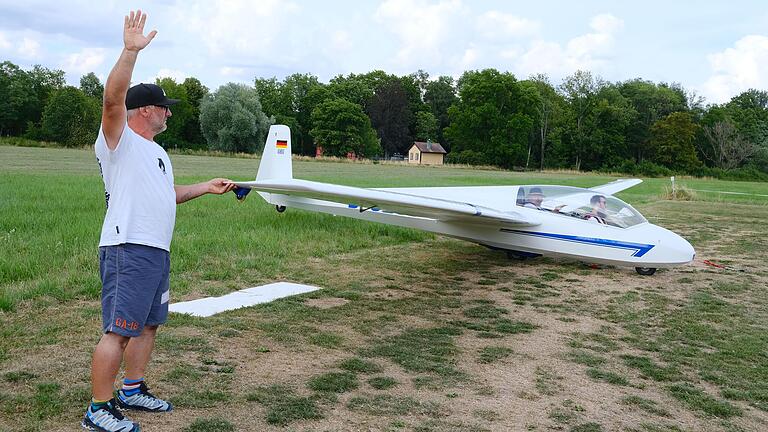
114,113
216,186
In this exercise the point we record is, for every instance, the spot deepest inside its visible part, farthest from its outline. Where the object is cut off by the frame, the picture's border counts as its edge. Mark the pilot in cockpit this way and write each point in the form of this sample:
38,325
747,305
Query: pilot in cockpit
599,213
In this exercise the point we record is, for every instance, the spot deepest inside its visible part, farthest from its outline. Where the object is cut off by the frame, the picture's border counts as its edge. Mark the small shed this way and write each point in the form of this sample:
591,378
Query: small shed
426,153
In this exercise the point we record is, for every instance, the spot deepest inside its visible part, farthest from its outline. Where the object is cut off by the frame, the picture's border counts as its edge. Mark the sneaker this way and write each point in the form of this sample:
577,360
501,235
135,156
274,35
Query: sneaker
107,419
143,401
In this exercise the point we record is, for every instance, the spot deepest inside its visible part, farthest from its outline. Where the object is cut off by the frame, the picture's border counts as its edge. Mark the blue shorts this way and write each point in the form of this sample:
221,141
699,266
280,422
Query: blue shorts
134,287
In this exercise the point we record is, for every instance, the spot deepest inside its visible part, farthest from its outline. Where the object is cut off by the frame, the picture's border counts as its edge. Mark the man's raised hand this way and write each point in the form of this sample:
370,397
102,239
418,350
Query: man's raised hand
133,32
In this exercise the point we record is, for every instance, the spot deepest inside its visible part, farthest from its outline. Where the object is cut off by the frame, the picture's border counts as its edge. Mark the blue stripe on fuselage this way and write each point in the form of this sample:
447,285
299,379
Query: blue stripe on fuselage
639,248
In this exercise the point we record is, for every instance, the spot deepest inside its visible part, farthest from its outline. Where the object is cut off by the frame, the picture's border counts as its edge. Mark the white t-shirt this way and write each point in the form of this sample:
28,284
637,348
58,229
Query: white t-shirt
138,183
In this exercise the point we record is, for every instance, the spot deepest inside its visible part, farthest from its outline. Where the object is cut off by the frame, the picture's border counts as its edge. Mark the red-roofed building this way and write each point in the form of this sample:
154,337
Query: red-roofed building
426,153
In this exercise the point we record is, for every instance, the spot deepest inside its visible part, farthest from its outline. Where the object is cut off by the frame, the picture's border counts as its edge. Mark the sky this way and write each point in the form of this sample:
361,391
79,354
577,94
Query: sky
716,49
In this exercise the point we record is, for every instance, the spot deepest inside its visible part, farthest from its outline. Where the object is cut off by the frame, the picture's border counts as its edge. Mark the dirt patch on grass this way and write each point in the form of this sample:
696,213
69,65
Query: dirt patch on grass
326,302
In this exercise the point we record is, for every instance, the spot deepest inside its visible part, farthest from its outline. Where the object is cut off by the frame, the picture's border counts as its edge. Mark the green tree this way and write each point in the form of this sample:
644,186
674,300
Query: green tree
439,95
358,89
421,79
301,88
232,120
196,91
391,116
672,142
414,86
651,102
580,90
341,127
426,126
17,99
749,113
191,132
71,118
275,100
491,118
91,86
606,131
291,103
45,82
549,108
182,114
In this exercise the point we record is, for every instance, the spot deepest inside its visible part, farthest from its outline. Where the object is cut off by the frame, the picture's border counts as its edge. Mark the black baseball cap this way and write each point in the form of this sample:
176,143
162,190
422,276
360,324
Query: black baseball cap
147,94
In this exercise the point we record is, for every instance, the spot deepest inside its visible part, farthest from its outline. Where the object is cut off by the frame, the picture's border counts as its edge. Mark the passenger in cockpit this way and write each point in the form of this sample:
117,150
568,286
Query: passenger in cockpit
599,213
534,199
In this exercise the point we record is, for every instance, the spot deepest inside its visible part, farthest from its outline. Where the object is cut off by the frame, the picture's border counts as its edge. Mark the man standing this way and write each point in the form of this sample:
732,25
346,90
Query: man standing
134,258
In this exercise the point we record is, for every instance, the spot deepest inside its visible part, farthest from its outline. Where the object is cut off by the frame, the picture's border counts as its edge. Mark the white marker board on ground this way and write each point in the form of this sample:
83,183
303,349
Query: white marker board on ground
208,306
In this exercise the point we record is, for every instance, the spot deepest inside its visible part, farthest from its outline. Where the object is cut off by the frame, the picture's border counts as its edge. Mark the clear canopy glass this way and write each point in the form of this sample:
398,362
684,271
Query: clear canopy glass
580,203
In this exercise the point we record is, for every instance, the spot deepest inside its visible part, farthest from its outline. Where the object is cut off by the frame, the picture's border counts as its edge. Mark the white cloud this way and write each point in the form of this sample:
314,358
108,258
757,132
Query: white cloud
510,53
87,60
606,23
737,69
422,27
590,51
176,75
469,58
341,41
499,25
241,28
4,42
232,71
29,48
542,57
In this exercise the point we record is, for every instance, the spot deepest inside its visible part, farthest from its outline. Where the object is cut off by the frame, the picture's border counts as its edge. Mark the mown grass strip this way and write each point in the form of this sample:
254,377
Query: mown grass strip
491,354
387,405
698,400
382,383
334,382
283,406
216,424
358,365
646,405
421,350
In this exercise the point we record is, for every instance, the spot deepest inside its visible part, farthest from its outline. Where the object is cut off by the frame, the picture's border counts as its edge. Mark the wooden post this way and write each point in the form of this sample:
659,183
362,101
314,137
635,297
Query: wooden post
674,190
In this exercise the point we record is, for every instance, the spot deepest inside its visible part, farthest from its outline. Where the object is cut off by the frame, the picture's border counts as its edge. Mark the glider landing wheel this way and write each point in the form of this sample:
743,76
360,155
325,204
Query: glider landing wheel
517,256
280,208
645,271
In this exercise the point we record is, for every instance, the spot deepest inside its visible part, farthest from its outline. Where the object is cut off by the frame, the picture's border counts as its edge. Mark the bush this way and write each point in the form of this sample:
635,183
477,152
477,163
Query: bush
645,169
24,142
681,193
650,169
738,174
467,157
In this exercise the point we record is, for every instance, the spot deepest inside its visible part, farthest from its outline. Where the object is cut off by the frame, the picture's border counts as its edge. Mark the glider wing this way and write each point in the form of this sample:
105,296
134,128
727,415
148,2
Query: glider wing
388,201
616,186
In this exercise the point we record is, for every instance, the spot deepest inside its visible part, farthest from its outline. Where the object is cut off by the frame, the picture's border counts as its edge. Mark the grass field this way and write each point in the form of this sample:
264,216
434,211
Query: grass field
411,331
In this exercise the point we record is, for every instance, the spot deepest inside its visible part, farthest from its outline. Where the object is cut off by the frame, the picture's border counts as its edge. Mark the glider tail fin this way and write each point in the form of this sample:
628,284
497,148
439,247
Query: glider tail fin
276,158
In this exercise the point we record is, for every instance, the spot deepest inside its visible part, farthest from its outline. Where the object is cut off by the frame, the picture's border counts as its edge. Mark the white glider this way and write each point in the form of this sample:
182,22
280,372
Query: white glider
566,222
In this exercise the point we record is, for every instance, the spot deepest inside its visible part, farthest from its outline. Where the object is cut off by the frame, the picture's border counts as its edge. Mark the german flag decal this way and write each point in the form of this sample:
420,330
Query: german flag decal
282,144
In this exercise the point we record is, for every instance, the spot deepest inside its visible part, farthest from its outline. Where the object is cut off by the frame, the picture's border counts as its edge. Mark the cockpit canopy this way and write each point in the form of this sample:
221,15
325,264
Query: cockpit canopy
580,203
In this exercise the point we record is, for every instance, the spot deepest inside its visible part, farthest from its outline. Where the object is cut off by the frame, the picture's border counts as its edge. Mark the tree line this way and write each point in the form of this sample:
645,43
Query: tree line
485,117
